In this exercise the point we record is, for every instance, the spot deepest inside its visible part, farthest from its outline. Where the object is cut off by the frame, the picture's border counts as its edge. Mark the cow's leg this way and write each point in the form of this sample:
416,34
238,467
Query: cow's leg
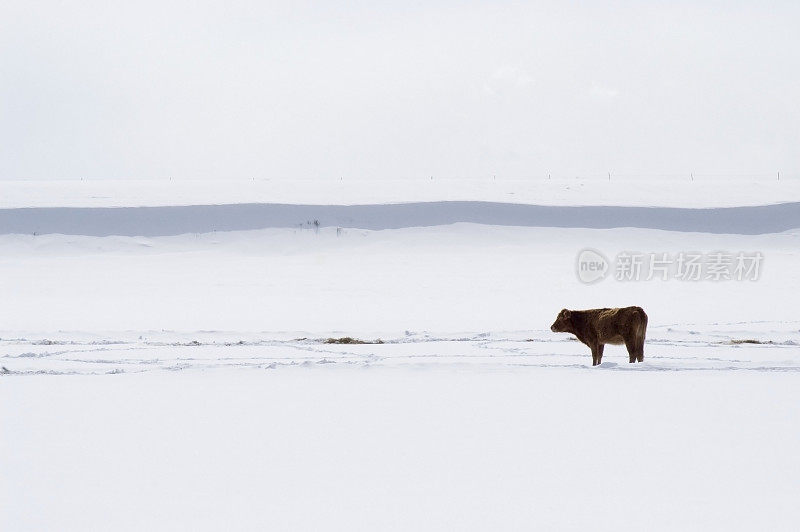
640,350
597,354
630,345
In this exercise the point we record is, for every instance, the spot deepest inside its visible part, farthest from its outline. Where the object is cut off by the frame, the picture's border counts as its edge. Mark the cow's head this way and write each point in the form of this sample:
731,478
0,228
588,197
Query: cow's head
563,322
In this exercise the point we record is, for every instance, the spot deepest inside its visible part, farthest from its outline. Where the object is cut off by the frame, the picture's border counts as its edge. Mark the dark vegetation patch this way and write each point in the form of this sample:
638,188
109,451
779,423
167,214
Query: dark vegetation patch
350,340
749,341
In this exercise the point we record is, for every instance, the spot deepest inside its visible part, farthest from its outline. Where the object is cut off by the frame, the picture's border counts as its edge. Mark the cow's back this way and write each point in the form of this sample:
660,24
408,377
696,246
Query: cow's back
615,325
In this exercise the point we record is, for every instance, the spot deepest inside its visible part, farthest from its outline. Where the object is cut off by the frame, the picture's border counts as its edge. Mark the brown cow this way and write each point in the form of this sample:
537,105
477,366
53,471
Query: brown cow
600,326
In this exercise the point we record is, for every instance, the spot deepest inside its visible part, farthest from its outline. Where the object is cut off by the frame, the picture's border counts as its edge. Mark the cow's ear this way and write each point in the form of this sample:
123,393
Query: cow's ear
565,312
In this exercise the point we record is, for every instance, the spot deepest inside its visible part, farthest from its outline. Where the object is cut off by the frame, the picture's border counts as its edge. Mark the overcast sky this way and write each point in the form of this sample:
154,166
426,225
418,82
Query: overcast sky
397,89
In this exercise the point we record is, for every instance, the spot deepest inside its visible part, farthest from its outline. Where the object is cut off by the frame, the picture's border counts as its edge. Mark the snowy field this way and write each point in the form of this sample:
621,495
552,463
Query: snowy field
183,381
690,190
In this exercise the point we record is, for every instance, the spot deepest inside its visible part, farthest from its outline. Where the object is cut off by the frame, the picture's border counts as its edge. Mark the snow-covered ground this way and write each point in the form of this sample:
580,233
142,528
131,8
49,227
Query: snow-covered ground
329,447
761,347
443,279
183,381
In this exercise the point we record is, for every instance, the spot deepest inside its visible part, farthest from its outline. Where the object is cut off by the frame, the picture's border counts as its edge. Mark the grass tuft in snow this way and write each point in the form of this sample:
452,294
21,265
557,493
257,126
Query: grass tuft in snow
350,340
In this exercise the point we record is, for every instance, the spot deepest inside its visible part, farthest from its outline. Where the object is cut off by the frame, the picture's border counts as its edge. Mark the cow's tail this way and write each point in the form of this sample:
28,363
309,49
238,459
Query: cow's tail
641,332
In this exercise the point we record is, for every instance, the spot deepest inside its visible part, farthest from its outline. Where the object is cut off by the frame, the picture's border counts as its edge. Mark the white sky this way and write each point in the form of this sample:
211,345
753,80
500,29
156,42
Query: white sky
376,89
